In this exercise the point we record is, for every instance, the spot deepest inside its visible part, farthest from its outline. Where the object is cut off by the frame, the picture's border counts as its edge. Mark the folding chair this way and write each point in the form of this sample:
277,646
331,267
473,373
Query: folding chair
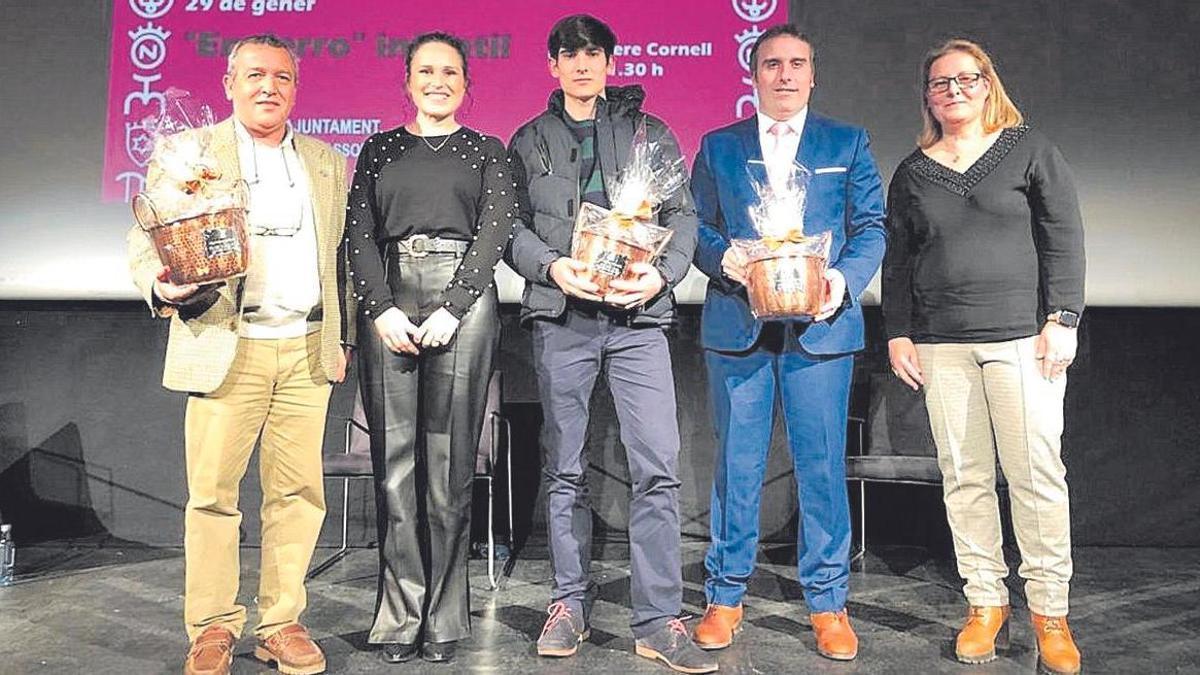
354,462
495,428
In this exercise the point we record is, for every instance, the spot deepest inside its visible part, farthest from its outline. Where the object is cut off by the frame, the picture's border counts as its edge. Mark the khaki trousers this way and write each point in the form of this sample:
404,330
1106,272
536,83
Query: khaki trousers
984,400
276,389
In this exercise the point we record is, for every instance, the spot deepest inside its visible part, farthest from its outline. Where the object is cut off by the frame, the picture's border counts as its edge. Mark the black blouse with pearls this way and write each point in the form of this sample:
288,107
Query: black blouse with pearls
456,187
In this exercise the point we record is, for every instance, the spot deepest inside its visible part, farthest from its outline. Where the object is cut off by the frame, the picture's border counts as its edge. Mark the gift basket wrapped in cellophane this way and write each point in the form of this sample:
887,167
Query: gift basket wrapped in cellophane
785,268
612,240
195,217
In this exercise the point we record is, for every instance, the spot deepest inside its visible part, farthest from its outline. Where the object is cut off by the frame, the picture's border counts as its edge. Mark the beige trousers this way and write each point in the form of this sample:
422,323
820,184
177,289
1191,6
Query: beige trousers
276,389
984,400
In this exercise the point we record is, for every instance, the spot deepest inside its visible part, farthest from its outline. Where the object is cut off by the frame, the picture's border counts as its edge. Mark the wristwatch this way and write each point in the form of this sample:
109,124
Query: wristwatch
1064,317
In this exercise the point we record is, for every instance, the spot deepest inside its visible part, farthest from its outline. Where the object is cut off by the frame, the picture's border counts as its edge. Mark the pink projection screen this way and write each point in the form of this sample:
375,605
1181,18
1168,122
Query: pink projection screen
690,56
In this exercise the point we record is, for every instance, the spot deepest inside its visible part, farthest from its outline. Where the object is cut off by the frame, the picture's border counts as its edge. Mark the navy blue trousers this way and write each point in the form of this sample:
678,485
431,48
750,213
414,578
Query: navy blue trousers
568,355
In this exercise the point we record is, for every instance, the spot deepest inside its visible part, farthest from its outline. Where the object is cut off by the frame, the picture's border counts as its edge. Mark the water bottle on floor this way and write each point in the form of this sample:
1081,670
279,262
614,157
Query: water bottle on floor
8,555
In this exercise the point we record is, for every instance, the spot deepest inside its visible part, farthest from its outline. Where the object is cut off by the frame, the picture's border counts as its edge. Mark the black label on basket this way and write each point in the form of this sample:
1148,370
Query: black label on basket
610,264
788,279
220,241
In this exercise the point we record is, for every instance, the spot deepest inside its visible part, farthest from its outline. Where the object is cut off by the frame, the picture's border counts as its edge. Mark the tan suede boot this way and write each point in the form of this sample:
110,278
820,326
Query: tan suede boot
1057,653
977,640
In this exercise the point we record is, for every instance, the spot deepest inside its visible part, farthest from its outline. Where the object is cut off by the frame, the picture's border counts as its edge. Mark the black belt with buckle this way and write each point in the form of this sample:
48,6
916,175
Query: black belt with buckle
421,245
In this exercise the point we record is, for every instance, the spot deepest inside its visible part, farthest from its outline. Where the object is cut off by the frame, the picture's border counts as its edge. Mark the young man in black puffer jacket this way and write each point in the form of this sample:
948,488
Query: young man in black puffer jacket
566,155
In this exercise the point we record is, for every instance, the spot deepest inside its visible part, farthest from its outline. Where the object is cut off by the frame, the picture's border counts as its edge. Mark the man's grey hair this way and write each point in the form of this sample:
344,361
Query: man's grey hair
268,40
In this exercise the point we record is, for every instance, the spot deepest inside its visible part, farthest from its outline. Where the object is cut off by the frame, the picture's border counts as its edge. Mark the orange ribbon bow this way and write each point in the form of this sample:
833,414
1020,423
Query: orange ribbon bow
204,177
792,237
627,220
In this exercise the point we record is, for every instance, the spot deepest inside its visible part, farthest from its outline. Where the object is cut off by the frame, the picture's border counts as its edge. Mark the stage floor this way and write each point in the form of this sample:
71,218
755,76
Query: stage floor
87,608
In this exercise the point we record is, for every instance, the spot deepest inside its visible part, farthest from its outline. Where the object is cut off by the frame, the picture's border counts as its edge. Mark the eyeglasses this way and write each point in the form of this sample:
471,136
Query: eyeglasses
289,209
289,231
287,217
965,82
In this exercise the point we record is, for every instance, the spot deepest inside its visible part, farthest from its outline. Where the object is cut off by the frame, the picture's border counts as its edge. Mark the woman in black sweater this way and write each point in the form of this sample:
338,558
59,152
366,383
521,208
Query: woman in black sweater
430,213
982,293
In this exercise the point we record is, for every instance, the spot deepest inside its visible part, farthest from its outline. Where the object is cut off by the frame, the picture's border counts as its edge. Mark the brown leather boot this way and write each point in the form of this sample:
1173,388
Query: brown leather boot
835,638
985,627
1057,653
211,653
292,650
716,629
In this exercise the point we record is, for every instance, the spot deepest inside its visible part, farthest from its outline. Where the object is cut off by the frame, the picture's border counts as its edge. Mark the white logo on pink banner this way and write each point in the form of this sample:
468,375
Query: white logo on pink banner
151,9
752,11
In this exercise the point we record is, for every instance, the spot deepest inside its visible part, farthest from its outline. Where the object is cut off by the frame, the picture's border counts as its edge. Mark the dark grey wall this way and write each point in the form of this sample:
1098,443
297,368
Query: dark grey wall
1111,81
90,444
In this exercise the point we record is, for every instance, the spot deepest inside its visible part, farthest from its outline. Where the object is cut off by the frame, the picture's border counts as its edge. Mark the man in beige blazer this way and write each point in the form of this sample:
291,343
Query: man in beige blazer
256,357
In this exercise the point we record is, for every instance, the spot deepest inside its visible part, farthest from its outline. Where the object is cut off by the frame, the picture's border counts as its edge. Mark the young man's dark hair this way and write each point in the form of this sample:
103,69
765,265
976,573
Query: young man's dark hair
774,32
579,31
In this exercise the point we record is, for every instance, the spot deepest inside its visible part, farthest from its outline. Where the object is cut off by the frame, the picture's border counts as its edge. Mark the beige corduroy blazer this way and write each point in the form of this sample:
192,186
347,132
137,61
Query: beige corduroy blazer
204,333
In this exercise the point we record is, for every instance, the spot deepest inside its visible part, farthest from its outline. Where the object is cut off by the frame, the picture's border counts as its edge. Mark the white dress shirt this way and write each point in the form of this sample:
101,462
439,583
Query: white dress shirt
779,152
282,285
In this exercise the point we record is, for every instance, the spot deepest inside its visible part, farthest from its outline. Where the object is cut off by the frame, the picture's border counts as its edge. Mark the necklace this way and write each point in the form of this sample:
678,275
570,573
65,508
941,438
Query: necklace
437,147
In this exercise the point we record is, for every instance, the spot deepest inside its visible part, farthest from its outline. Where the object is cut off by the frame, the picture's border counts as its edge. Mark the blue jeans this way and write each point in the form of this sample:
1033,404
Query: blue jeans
814,392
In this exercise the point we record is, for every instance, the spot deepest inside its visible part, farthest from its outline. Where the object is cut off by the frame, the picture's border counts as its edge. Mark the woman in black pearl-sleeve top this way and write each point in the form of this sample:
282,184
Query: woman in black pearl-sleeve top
982,291
431,210
462,191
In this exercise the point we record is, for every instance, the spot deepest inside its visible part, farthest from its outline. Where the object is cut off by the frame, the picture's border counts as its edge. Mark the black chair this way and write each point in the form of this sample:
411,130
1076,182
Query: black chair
354,462
495,438
894,445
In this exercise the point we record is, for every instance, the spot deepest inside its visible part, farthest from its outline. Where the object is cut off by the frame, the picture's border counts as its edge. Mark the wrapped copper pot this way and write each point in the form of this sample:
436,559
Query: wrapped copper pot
785,278
610,243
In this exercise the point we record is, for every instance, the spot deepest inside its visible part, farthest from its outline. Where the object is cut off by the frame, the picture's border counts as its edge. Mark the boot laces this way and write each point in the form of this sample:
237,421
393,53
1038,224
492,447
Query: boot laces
558,611
1054,624
677,627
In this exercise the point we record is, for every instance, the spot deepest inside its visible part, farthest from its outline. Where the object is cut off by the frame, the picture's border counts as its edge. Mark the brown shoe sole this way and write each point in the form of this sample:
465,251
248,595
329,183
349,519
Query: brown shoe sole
838,656
568,651
263,654
1044,668
975,659
654,654
712,646
222,669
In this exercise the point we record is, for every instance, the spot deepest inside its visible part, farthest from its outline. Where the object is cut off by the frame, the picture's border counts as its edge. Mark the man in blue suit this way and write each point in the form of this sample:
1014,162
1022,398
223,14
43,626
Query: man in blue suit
806,365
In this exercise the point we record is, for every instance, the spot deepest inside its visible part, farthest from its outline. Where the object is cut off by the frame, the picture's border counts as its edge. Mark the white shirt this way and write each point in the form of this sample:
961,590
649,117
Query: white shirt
779,154
282,285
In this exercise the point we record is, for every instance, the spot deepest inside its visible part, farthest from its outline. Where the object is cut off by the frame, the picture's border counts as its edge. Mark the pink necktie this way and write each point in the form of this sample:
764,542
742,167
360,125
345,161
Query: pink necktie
778,131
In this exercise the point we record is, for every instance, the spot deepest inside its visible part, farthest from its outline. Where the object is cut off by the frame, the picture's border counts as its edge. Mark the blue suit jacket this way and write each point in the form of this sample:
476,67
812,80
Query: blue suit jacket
845,196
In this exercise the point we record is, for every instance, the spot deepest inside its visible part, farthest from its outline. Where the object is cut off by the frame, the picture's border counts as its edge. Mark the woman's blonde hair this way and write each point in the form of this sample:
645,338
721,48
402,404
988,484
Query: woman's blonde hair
999,112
